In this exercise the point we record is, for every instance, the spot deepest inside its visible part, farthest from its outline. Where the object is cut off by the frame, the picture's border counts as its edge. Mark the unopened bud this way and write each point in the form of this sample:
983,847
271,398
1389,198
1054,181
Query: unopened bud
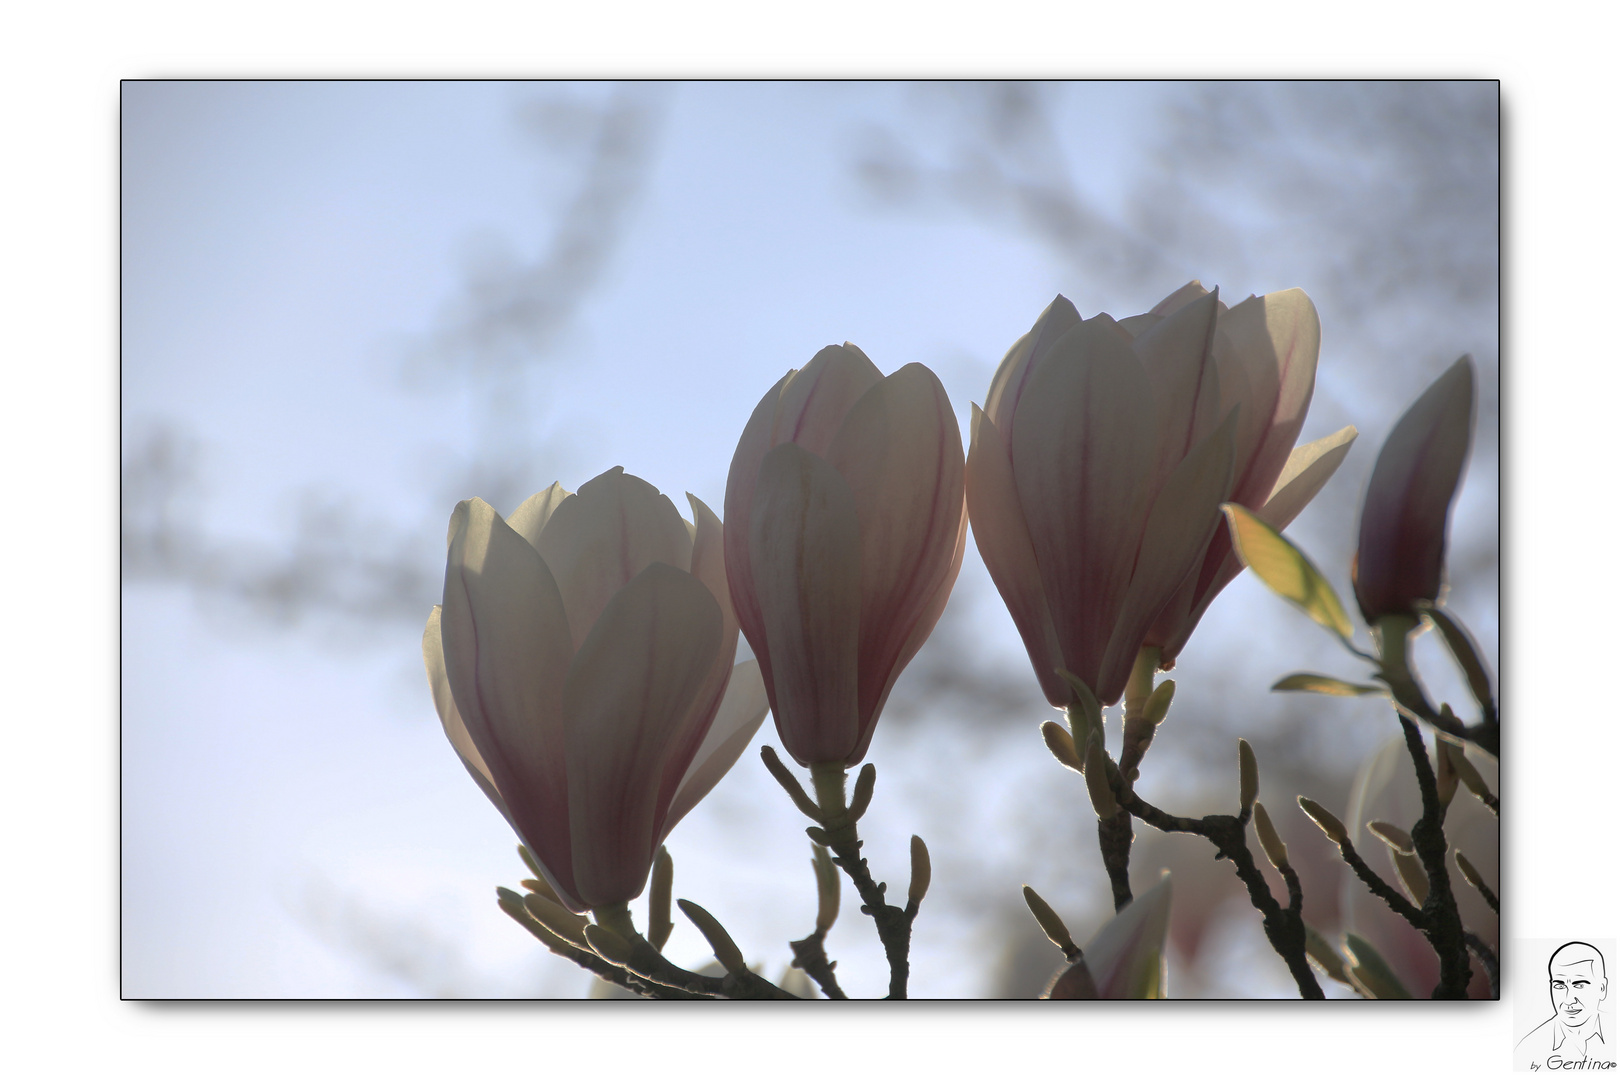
725,950
1324,820
1102,796
1445,776
922,871
1270,842
608,945
1051,925
1398,839
1410,867
1325,955
1158,702
1061,743
827,888
818,835
1248,775
790,784
1469,873
862,796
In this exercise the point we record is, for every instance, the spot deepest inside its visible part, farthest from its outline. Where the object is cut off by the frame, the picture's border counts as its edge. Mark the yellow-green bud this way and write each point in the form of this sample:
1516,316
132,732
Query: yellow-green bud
1410,867
1332,826
1325,955
1397,838
1061,743
827,888
1102,796
1465,769
659,924
608,945
1270,842
725,950
922,871
556,918
1248,775
862,797
1158,702
1051,925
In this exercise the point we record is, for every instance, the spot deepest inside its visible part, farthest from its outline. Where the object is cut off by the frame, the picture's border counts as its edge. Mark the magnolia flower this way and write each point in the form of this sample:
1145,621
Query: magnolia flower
1402,550
845,498
582,668
1101,458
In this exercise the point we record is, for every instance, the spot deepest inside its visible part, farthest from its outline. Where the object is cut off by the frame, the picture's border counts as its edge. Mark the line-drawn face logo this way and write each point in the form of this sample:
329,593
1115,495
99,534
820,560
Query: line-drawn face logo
1577,983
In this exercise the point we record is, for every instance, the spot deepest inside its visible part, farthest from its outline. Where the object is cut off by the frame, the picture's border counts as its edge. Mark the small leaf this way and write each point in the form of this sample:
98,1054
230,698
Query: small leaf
1286,570
1312,683
1370,973
1462,647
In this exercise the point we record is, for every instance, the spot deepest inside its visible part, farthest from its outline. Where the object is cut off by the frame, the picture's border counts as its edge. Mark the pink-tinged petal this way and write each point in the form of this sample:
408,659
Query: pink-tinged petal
599,539
1081,453
740,481
1003,539
1179,299
709,562
1402,551
1277,339
900,451
1177,354
1027,353
817,398
1137,325
528,519
455,729
1127,956
1185,516
506,651
805,548
1309,467
631,684
741,712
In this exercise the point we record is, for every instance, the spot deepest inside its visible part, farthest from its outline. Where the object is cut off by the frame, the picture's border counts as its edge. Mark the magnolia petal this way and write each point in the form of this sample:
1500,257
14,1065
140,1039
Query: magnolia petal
741,712
1278,338
1309,468
1126,957
455,729
1004,544
1080,456
1179,299
1027,353
1137,325
816,399
805,547
709,561
602,537
1177,355
506,651
1184,517
631,684
527,520
1400,558
740,481
900,452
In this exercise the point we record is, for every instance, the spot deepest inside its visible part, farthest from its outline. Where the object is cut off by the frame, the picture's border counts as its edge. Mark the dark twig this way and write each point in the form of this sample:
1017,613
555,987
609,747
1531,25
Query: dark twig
810,956
1487,960
1285,928
511,903
1114,840
1442,924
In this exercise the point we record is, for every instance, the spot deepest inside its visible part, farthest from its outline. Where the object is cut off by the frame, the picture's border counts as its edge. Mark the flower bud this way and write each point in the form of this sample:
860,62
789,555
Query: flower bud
725,950
1400,558
1051,925
1102,796
1396,837
1248,775
1332,826
1061,743
922,871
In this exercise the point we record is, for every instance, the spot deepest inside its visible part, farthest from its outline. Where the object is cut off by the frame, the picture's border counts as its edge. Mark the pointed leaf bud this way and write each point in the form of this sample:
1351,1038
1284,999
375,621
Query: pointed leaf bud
922,871
827,888
862,796
1325,955
1061,743
1051,925
1248,775
725,950
1396,837
659,924
1158,702
556,918
1270,842
1465,769
1445,774
1324,820
790,784
1102,796
1371,973
1469,873
608,945
1410,867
